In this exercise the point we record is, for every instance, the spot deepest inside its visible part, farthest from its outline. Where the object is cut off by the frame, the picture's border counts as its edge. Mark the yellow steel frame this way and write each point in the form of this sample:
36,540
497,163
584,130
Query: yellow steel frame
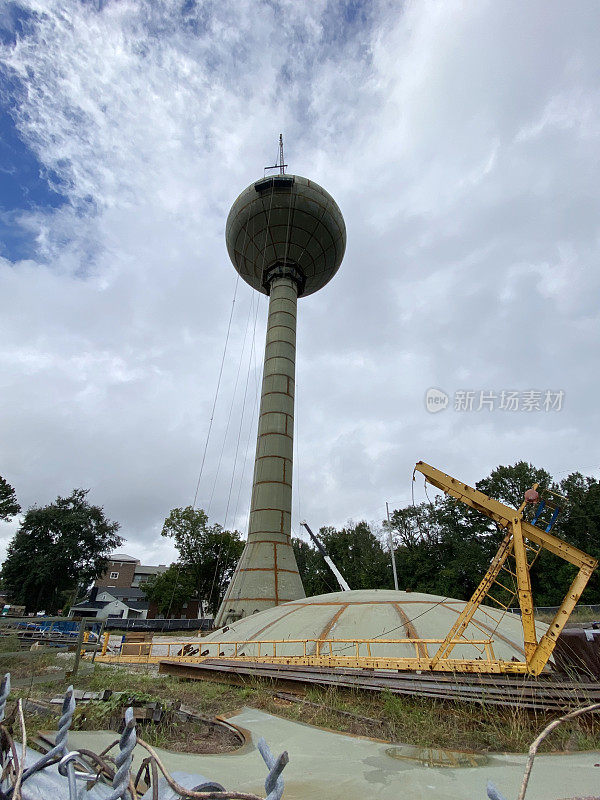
519,532
325,653
521,538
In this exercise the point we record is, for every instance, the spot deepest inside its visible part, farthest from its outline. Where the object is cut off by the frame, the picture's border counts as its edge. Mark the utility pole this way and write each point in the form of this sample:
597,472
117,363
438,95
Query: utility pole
387,508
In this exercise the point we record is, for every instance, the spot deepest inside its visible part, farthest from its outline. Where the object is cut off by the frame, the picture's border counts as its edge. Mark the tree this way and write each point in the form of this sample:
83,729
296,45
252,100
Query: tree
444,547
56,546
171,589
8,501
316,575
356,552
208,552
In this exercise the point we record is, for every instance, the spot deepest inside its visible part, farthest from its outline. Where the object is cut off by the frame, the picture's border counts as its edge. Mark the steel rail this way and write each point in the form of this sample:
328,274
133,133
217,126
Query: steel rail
548,694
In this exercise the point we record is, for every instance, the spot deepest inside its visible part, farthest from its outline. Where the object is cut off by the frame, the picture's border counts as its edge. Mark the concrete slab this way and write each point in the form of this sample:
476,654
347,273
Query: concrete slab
342,767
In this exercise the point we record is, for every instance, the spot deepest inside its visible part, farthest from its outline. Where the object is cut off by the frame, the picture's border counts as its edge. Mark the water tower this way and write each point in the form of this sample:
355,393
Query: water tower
286,237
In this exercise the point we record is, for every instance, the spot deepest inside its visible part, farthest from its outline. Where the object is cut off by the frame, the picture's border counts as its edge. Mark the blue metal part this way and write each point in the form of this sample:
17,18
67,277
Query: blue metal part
493,793
553,519
538,511
274,781
124,758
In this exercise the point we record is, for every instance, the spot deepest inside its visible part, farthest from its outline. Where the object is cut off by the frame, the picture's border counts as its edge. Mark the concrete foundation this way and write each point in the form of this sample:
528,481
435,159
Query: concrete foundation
343,767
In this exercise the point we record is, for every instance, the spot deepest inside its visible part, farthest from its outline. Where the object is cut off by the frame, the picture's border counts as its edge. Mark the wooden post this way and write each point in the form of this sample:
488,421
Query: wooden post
78,648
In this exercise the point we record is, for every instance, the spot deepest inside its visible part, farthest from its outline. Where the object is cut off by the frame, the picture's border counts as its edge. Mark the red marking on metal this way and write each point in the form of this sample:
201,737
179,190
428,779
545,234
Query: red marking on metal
268,541
275,573
283,483
326,630
268,569
282,413
254,510
279,341
280,324
279,311
268,625
411,632
287,358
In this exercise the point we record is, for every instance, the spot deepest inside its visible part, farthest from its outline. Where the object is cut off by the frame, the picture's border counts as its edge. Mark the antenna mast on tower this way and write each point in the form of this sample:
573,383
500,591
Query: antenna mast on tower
281,165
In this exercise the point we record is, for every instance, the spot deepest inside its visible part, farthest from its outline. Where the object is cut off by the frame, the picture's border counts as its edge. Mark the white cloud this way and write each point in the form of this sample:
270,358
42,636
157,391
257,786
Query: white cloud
460,141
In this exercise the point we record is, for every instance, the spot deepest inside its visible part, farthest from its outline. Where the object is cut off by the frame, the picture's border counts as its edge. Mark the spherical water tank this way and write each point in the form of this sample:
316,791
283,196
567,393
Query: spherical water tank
286,220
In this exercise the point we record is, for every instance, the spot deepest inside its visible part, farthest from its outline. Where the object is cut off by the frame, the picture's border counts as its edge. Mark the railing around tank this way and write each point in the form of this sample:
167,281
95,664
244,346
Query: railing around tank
367,653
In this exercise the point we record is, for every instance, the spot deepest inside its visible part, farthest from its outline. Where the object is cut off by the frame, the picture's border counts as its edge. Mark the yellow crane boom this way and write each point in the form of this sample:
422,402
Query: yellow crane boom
521,539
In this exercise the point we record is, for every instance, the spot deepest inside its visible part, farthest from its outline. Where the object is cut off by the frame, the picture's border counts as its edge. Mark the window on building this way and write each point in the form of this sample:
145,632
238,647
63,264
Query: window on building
184,605
114,576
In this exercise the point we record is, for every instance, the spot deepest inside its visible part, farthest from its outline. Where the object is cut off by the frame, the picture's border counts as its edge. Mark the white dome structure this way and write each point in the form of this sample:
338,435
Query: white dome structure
372,614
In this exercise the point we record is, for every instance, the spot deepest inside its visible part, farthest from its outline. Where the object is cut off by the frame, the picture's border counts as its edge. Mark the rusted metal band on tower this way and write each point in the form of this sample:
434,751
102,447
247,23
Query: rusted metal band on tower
268,568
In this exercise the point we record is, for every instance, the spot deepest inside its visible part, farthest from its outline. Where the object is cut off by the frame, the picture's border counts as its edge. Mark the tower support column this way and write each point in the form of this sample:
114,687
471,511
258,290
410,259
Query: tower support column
267,574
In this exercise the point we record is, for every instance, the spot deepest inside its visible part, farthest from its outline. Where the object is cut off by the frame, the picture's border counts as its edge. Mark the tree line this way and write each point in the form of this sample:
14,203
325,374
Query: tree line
441,546
57,550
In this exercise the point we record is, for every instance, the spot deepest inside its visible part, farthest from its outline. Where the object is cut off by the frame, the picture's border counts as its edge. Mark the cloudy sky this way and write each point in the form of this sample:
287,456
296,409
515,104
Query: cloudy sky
460,140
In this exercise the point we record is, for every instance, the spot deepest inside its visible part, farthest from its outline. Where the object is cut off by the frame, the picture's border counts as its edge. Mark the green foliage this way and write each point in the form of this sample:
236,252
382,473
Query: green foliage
56,547
444,547
356,552
98,714
171,589
8,501
208,553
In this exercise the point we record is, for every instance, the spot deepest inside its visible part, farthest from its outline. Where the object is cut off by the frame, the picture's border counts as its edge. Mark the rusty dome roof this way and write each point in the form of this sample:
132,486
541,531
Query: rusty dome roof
372,614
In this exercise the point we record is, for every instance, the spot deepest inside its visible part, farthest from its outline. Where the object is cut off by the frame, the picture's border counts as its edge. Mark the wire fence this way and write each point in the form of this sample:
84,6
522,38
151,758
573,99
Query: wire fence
64,774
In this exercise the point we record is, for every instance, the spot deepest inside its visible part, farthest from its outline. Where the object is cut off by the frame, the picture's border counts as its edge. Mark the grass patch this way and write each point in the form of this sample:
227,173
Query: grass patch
9,643
578,615
397,718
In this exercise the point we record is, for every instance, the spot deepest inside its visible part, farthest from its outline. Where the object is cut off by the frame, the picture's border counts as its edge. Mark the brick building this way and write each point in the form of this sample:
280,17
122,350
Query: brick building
120,572
119,592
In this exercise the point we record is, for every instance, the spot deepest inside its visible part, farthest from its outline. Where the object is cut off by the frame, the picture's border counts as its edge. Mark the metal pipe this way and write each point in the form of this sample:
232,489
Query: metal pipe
387,508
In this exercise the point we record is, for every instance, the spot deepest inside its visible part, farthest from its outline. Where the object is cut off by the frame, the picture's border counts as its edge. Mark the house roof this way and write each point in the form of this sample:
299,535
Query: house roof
150,570
90,604
122,593
122,557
